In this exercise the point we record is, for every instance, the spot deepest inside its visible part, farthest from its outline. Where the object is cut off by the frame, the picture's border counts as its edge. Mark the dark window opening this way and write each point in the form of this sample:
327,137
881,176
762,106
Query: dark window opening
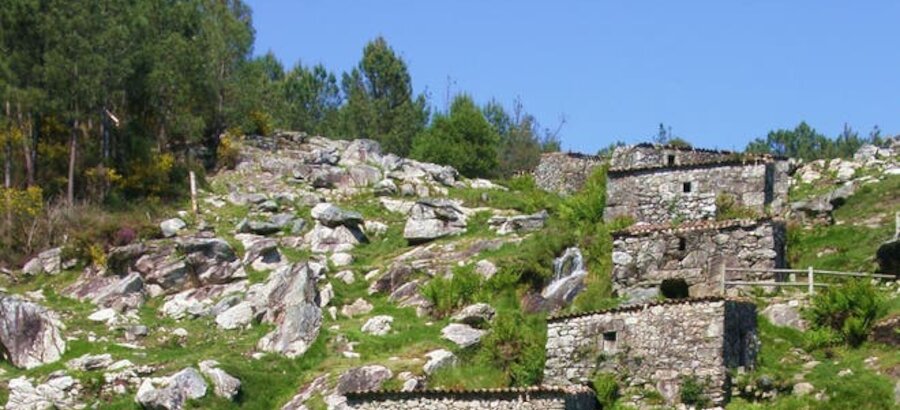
686,187
674,289
682,244
670,160
609,336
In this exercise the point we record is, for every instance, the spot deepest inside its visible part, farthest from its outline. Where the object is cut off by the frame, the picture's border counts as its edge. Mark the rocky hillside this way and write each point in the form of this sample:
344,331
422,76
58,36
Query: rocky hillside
318,267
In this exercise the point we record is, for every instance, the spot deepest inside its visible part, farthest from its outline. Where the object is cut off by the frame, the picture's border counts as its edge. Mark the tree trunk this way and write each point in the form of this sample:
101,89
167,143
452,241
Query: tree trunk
73,148
7,154
28,151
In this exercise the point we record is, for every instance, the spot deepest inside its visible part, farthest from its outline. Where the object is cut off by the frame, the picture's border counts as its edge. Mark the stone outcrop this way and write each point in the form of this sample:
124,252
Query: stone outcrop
462,335
430,219
170,393
363,378
59,391
505,225
289,300
224,384
49,262
565,173
641,345
30,335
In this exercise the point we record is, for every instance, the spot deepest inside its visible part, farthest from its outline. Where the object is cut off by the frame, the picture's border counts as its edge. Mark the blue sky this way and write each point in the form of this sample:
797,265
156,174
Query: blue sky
720,73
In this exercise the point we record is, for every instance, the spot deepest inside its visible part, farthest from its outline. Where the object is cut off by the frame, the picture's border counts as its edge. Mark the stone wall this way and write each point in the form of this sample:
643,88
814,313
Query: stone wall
655,346
528,398
564,173
689,192
654,155
644,256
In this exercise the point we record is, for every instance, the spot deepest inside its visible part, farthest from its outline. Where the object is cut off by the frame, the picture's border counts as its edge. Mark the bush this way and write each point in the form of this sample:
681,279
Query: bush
727,208
819,338
515,344
228,154
447,295
692,392
606,387
586,206
849,310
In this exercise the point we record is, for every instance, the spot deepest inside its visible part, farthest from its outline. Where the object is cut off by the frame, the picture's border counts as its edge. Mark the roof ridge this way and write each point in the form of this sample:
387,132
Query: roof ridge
697,225
571,389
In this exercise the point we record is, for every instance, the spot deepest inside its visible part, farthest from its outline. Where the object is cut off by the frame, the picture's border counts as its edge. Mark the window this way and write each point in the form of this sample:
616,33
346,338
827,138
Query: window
682,244
670,160
686,187
609,336
674,289
609,342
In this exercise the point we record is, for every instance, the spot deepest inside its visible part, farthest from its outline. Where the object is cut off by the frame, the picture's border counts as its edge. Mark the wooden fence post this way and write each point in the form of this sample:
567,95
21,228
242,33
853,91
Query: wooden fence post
194,193
812,282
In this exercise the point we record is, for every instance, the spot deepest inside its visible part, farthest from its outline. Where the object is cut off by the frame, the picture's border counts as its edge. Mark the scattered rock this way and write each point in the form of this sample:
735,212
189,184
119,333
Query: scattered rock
475,315
430,219
505,225
463,335
30,335
438,359
49,262
60,391
385,187
89,362
887,331
345,276
292,304
803,389
362,379
171,227
341,259
378,325
359,307
224,384
785,314
485,268
332,216
170,393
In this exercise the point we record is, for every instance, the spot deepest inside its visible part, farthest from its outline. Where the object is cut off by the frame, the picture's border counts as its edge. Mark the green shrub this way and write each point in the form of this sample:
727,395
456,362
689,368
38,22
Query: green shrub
727,208
449,294
586,206
819,338
606,388
850,310
515,344
692,392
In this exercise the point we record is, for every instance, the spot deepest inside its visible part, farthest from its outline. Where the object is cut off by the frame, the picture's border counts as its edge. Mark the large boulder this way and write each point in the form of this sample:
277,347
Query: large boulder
171,227
323,239
463,335
49,262
785,314
396,276
224,384
378,325
108,290
505,225
332,216
363,378
291,302
170,393
30,335
430,219
475,315
60,391
362,151
438,359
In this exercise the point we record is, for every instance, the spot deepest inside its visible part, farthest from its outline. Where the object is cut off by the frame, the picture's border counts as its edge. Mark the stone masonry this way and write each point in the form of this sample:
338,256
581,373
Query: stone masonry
526,398
654,155
655,346
645,255
564,173
664,194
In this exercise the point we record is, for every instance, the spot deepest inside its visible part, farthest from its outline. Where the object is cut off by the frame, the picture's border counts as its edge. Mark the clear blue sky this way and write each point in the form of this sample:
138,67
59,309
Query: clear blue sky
718,72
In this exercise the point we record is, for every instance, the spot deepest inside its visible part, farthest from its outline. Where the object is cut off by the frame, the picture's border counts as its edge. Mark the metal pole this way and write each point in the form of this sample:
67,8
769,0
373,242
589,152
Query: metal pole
811,280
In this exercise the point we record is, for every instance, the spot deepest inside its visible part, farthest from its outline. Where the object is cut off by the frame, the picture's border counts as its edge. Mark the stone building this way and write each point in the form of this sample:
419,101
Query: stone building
644,256
572,397
659,184
655,347
565,172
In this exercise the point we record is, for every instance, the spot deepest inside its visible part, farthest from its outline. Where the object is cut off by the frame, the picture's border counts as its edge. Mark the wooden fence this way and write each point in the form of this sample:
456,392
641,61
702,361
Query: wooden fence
810,273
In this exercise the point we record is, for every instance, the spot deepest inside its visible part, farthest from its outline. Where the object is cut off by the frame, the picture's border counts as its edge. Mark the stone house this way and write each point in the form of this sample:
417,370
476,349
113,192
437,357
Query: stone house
565,172
655,347
661,184
572,397
644,256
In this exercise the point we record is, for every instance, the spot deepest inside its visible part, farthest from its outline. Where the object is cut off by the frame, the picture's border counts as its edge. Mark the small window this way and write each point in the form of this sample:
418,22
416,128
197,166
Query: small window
609,336
670,160
686,187
682,244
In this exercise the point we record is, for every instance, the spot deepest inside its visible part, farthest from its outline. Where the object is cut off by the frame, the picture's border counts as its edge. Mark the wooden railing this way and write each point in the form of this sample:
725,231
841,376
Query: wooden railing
810,273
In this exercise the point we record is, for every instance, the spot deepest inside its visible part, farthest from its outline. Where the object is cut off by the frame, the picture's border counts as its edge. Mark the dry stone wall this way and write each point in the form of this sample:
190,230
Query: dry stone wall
565,173
530,398
697,253
664,195
655,346
654,155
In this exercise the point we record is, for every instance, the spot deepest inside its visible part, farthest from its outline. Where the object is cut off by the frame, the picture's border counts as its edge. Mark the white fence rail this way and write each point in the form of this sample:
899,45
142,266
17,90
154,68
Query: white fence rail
810,273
